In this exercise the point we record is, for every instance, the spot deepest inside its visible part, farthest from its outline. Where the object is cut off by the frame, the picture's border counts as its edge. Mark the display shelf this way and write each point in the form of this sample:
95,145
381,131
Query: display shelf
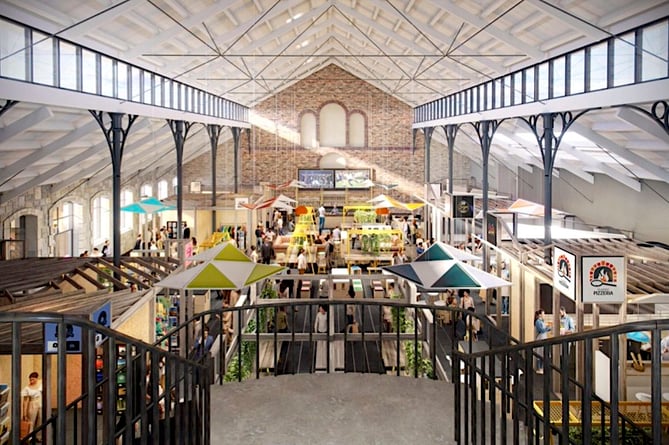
5,419
121,377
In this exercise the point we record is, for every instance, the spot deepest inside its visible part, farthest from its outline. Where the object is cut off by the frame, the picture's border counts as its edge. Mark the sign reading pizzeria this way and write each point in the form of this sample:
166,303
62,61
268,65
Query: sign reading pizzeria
603,279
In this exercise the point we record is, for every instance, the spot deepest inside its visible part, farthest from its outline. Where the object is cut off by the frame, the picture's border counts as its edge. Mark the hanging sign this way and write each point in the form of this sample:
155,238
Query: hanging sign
564,272
102,316
491,229
463,206
72,338
603,279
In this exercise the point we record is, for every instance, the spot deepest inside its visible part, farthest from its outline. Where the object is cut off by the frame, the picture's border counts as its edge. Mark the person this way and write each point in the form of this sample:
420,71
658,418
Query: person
321,323
566,322
321,219
350,308
473,324
254,254
186,231
506,290
259,234
282,320
286,286
664,348
31,408
336,234
138,242
267,251
206,340
96,253
301,262
420,249
466,300
541,330
105,248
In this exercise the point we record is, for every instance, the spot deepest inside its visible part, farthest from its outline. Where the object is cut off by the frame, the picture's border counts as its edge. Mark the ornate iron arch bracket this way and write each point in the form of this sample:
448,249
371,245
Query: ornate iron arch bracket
7,105
659,112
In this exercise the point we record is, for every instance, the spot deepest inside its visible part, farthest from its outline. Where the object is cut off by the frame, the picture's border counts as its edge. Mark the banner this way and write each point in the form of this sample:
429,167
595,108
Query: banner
603,279
72,338
564,273
463,206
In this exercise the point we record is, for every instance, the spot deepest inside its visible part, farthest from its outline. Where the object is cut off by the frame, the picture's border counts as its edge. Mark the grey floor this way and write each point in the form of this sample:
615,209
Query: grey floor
332,409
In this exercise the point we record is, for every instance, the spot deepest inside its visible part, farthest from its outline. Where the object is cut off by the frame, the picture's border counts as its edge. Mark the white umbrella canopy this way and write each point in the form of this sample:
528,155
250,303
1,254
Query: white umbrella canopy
443,251
440,275
224,267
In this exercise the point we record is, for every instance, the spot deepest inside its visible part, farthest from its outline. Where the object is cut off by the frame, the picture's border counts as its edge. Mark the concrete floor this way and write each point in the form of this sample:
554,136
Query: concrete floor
332,409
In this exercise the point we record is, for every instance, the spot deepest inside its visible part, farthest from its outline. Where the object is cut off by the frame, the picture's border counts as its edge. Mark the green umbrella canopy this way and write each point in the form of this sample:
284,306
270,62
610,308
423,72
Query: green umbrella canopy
443,251
439,275
224,267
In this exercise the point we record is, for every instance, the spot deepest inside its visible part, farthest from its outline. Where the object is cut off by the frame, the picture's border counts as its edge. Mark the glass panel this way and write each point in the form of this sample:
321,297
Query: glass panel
148,86
497,95
12,51
136,84
598,67
43,58
507,91
623,60
122,83
559,66
542,81
168,93
107,68
529,84
68,66
88,72
158,89
518,88
654,51
577,74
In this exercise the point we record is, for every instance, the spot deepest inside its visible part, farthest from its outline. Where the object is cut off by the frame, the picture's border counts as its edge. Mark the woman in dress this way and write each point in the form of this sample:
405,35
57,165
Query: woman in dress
31,408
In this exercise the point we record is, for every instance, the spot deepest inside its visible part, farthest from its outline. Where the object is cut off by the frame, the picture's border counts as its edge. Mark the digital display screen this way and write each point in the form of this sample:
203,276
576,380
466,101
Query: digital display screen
316,178
352,179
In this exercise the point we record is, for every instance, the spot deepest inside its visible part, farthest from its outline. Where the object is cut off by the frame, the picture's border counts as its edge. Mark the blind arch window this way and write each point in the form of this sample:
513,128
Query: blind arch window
332,122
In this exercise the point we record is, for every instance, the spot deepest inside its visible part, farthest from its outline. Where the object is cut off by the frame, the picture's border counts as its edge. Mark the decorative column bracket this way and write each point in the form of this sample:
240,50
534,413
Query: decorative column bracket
485,130
236,137
659,112
428,142
7,105
451,131
214,132
179,130
116,135
548,138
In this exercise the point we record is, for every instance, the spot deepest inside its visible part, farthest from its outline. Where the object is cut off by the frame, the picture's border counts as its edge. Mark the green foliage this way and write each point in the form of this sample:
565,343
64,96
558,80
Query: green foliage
414,353
248,354
266,315
364,216
632,436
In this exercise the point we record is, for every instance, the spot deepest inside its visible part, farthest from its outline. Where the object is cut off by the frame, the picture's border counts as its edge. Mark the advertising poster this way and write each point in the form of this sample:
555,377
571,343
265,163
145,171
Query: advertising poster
564,272
491,229
603,279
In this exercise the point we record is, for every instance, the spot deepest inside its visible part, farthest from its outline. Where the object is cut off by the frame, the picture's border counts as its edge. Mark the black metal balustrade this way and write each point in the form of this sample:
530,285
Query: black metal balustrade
144,393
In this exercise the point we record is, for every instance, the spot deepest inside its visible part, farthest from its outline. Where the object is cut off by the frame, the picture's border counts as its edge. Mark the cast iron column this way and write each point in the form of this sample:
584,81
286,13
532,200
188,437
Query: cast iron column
485,131
236,137
179,132
214,131
451,131
548,139
116,136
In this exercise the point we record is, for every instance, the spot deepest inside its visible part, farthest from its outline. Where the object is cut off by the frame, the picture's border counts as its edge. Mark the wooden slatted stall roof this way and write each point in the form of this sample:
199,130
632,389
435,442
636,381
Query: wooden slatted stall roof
37,277
647,267
76,303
